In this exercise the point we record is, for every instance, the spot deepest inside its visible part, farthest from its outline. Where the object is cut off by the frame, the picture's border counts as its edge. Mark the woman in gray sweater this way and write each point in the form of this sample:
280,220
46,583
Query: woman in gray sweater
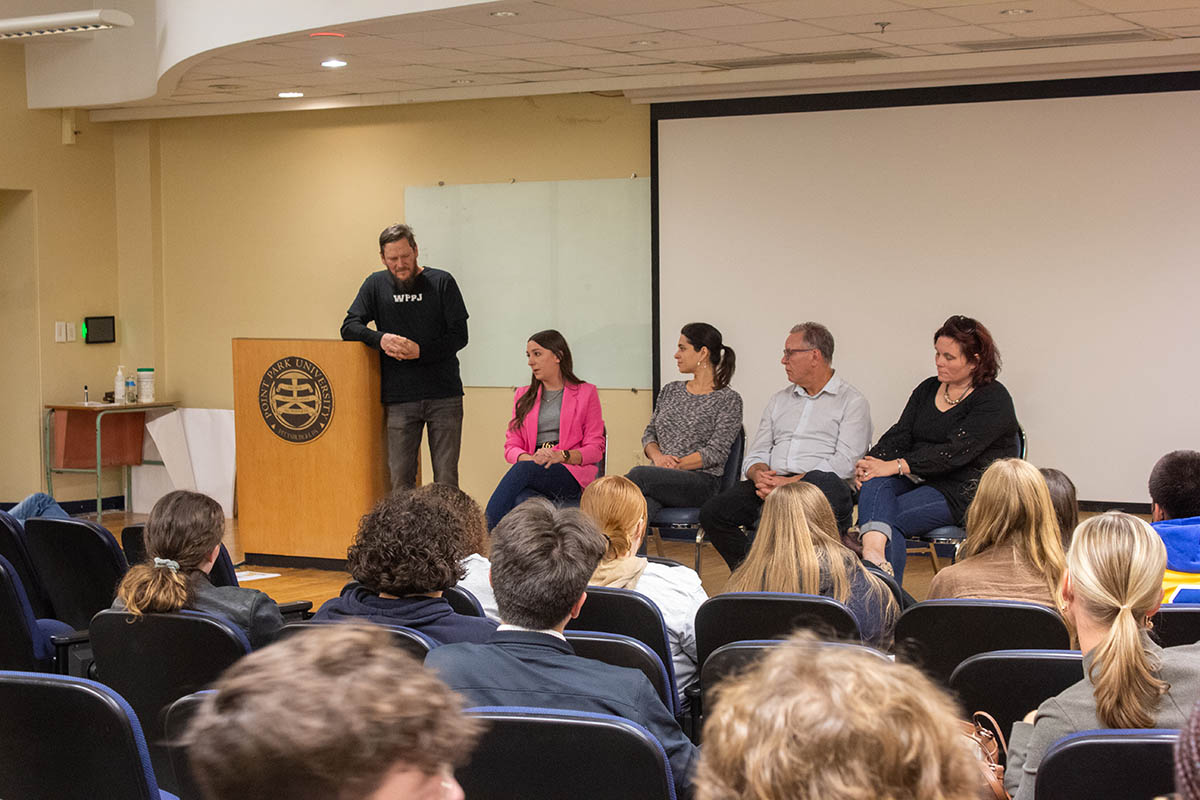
693,425
1113,585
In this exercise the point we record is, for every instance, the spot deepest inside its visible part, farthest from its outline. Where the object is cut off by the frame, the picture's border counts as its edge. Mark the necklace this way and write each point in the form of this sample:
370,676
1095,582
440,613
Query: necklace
946,393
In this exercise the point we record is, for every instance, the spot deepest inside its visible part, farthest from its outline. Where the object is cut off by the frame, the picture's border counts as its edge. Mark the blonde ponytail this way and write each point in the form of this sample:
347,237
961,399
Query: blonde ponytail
149,589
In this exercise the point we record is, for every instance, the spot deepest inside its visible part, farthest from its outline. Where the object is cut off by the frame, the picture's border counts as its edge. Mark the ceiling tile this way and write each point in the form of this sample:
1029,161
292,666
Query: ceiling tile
1177,18
509,65
656,40
325,46
1100,23
483,13
824,44
537,50
763,32
255,52
812,9
465,37
897,21
404,24
962,33
902,52
597,61
659,69
716,52
560,75
417,71
256,68
1188,32
443,55
711,17
1121,6
471,80
616,8
580,29
987,13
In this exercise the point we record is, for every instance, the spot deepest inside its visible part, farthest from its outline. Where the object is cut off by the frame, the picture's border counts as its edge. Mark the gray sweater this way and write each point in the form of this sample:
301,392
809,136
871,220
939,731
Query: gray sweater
1074,710
684,423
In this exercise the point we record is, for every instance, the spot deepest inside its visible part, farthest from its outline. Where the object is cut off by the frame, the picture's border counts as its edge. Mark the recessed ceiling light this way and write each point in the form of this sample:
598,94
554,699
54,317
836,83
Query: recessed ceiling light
333,63
643,42
291,94
1014,12
462,81
327,33
505,14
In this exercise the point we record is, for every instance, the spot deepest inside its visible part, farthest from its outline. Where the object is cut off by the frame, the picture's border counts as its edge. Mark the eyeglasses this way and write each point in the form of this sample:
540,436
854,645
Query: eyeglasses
789,353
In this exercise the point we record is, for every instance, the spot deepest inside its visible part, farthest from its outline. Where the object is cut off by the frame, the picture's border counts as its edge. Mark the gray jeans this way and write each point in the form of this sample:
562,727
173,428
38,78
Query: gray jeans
405,421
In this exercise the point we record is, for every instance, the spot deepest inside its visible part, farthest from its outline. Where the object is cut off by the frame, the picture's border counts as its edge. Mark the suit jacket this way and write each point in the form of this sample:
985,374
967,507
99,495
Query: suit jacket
580,427
527,668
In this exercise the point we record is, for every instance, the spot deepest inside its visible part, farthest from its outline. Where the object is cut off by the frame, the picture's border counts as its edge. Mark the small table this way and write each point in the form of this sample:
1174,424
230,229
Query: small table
66,448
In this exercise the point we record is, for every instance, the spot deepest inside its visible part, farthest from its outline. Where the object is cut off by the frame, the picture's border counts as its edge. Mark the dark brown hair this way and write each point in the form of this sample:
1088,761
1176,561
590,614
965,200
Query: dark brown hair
1066,504
396,232
1187,758
183,528
977,346
409,543
722,358
472,523
553,341
326,714
1175,484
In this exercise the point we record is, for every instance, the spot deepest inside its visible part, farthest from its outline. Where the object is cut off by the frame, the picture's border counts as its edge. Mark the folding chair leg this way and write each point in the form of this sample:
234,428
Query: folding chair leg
933,556
699,547
658,542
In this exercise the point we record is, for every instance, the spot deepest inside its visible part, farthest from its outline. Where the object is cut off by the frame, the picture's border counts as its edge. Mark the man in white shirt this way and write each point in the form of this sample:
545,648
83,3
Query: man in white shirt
814,431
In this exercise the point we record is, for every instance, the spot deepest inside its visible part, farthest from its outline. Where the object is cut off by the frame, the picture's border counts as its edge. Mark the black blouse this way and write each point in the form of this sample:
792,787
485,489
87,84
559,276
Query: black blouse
951,449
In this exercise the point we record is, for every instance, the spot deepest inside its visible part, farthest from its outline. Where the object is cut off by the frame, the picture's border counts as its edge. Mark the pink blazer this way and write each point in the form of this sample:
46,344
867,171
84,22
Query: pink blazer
581,427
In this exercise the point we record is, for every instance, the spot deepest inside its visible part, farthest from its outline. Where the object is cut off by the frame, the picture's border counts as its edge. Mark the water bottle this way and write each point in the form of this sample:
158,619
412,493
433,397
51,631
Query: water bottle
131,393
119,386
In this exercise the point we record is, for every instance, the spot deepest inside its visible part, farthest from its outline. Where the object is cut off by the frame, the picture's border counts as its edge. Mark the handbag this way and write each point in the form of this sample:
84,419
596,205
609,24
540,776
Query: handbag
987,747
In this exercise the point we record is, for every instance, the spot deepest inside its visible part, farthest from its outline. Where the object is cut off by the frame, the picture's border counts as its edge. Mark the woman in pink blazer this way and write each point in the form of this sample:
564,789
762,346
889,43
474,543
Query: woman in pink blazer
556,436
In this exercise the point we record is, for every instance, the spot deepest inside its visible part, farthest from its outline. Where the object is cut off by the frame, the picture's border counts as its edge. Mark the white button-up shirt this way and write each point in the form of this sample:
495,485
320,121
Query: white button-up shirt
829,431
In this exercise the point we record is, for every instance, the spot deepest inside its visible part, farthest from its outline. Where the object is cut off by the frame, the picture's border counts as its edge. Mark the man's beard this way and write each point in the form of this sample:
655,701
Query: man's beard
405,287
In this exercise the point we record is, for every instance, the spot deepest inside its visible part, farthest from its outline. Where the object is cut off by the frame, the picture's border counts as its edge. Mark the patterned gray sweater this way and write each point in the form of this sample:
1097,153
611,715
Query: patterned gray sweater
685,423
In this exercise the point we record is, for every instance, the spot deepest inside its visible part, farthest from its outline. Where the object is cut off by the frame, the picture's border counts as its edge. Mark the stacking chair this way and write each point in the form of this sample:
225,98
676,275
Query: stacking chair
625,651
1108,765
532,752
631,614
70,739
938,635
683,523
12,547
463,601
1176,624
738,616
154,659
79,564
413,642
1008,684
175,722
25,642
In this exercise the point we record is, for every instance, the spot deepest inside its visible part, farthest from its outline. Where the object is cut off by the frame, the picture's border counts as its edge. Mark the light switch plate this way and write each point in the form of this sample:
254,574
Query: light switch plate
60,331
70,331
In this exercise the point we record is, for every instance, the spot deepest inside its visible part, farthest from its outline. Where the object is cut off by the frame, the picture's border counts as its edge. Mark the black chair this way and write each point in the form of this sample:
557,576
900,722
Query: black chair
628,613
1108,765
133,543
413,642
528,752
70,739
938,635
683,524
1176,624
12,547
25,642
1008,684
79,564
738,616
154,659
179,714
625,651
463,601
903,599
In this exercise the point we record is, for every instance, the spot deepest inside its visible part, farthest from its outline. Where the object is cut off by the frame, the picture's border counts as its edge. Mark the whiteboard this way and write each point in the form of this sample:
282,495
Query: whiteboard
569,255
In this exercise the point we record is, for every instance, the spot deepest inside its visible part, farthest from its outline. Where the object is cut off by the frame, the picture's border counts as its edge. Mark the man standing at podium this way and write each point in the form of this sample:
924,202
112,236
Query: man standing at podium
421,324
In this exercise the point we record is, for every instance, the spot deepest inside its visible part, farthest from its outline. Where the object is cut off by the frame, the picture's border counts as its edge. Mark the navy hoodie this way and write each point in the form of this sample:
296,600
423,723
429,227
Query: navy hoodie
431,616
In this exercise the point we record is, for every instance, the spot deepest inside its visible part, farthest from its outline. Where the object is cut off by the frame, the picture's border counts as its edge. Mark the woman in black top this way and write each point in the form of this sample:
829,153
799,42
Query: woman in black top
923,471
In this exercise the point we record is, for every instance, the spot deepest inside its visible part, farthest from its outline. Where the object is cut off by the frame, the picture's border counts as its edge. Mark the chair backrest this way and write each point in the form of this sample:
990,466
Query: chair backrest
179,715
463,601
79,564
1022,443
1176,624
413,642
1108,765
12,547
154,659
629,613
532,752
625,651
733,462
938,635
70,739
133,544
737,616
1008,684
22,644
903,600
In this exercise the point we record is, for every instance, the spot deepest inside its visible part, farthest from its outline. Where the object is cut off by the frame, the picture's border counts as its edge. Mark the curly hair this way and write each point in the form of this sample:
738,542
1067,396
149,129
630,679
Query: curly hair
409,543
472,522
324,714
814,720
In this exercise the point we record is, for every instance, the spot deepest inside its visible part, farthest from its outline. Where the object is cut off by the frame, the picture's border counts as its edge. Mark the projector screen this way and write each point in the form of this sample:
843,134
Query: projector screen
1067,225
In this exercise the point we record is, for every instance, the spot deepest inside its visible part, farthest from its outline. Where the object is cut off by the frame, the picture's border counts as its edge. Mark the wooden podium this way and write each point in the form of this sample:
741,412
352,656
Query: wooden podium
310,446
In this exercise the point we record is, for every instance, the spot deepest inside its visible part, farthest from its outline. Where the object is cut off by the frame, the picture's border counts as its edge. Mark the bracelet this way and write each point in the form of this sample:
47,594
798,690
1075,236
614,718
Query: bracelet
899,466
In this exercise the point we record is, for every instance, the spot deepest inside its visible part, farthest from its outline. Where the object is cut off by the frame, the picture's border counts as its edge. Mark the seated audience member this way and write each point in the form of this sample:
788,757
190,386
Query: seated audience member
1013,549
474,527
814,430
407,551
1175,511
798,549
617,507
1066,503
183,540
693,425
336,712
921,474
38,504
1187,759
813,722
1112,586
542,559
555,438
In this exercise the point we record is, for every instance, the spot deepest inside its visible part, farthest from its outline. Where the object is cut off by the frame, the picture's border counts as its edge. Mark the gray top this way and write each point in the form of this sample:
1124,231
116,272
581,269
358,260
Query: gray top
1074,710
549,413
684,423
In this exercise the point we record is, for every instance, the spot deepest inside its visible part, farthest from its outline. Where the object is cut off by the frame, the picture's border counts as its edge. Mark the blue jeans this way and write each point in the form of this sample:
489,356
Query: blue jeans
38,504
897,507
526,479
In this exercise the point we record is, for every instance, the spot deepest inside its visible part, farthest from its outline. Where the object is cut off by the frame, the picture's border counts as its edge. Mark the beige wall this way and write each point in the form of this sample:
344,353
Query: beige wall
265,225
58,257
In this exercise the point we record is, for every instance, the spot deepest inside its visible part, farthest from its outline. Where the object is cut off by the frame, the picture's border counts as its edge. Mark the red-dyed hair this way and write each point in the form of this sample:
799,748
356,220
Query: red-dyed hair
977,345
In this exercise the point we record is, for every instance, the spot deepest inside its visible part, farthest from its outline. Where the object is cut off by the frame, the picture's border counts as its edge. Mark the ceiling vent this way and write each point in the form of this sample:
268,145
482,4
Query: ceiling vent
797,58
1058,41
